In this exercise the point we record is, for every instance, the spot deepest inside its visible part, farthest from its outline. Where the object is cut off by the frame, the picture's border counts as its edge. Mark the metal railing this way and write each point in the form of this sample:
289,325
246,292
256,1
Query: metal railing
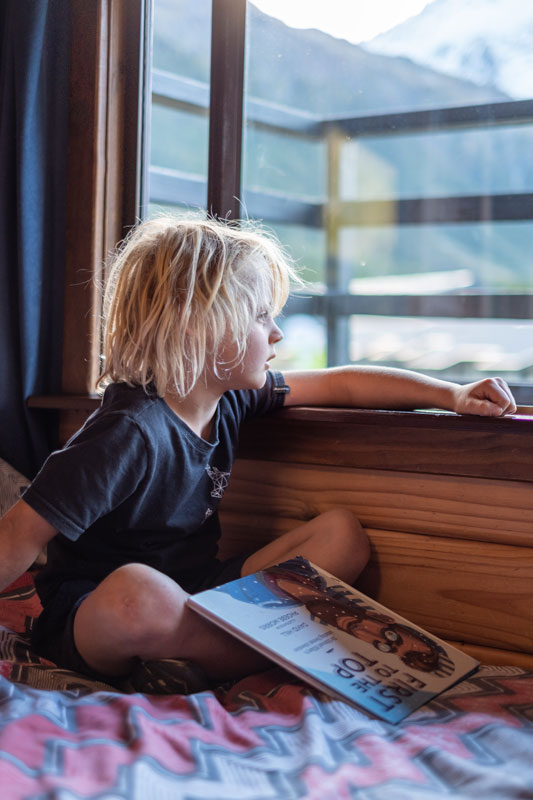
332,213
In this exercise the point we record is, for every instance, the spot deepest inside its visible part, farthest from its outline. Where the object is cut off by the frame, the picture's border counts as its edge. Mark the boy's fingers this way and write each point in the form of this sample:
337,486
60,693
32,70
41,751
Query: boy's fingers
504,397
497,392
511,408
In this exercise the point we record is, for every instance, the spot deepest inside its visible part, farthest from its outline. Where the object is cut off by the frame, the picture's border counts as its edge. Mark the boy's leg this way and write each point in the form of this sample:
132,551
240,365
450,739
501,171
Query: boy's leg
334,541
139,613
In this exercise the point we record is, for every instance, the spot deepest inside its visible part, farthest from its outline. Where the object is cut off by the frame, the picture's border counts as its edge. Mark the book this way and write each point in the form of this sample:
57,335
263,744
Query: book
334,637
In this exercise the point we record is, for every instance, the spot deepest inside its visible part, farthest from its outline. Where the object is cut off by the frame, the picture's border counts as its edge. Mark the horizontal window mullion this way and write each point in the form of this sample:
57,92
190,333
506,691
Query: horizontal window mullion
171,186
473,306
514,112
180,92
186,92
282,120
278,208
434,210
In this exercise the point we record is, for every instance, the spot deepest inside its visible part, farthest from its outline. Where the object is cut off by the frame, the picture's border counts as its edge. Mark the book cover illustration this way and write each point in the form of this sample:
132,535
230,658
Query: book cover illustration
335,637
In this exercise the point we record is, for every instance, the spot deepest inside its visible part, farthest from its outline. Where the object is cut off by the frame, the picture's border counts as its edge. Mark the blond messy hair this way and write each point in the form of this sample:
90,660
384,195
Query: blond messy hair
176,288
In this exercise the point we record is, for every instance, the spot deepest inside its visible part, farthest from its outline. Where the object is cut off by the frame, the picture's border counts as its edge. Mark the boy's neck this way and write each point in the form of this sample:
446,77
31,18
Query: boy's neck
197,410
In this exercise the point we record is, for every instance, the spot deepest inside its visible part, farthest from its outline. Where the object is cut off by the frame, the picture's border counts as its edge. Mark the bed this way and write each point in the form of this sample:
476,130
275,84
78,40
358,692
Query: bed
267,736
451,542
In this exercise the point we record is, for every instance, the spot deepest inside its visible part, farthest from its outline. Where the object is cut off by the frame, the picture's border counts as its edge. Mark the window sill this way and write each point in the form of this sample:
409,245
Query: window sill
434,442
429,442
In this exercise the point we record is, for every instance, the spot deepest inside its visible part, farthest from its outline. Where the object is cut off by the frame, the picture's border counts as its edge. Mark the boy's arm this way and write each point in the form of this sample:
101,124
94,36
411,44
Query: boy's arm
23,534
382,387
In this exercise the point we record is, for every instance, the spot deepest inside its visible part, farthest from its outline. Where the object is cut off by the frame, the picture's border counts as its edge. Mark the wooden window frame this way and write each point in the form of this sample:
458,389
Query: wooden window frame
108,130
108,134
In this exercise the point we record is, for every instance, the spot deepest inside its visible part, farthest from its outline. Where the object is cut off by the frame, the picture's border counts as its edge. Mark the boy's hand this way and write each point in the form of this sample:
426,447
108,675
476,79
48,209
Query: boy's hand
23,534
490,397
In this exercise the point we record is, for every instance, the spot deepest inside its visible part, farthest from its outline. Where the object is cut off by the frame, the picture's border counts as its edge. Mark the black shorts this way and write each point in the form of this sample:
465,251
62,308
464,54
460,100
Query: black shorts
53,633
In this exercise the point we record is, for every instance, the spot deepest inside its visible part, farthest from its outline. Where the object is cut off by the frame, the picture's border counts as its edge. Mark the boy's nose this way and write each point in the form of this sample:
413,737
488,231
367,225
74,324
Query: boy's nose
276,334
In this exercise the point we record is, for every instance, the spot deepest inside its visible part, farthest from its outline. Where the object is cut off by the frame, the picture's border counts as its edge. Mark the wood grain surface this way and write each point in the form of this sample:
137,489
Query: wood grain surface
468,508
433,443
476,592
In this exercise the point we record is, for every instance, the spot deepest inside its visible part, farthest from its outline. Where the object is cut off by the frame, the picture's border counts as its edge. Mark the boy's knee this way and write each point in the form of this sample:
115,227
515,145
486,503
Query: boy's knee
139,599
349,537
343,523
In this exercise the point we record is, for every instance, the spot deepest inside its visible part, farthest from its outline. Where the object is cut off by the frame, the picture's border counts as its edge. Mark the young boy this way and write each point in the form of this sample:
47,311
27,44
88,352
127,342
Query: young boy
129,507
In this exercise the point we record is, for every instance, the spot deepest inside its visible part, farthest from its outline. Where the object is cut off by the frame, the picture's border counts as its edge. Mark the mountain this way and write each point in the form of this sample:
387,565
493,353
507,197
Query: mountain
489,42
308,69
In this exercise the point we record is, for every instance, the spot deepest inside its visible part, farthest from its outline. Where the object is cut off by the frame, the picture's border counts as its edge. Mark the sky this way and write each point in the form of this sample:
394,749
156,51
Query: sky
355,20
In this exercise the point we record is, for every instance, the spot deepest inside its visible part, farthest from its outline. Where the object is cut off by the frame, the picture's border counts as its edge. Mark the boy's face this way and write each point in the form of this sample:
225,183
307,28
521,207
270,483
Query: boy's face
260,350
261,339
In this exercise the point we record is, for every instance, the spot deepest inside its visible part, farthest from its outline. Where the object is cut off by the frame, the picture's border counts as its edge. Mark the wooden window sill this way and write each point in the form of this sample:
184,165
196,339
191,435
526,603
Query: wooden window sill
434,442
431,442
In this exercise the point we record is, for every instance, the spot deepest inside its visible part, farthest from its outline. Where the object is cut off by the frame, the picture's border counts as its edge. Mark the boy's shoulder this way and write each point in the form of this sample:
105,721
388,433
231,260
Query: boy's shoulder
128,406
133,400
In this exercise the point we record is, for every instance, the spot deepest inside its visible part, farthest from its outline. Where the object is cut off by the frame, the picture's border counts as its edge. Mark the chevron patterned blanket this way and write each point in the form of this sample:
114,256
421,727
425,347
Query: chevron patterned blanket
266,737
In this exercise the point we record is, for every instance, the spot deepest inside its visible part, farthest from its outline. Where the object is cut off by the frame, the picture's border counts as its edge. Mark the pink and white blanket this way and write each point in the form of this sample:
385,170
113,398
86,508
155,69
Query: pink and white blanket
265,738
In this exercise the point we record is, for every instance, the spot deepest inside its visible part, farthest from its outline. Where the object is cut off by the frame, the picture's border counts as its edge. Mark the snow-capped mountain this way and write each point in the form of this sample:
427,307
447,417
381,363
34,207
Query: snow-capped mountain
489,42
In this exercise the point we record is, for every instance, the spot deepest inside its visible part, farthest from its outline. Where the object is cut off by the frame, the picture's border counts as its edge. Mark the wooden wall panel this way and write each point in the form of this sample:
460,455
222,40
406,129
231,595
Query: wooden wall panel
469,508
475,592
452,554
491,655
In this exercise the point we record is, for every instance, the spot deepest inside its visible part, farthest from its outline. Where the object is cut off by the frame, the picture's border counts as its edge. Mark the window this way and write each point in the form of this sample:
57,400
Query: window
180,105
397,171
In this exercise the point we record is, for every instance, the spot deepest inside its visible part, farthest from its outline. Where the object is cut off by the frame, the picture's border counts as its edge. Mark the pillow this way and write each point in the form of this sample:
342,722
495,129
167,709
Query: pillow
12,484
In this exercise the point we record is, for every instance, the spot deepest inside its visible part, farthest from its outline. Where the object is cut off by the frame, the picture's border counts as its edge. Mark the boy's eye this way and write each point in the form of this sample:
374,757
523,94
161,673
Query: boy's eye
263,316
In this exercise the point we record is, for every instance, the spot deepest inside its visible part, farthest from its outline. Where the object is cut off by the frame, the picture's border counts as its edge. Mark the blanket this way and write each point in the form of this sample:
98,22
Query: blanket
266,737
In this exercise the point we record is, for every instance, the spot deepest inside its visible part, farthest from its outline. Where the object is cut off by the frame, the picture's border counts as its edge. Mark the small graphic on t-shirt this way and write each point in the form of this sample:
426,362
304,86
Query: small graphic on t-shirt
220,481
208,513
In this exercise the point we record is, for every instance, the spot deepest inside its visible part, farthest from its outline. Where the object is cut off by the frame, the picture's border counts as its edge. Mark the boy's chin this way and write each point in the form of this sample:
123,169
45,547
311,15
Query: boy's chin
251,381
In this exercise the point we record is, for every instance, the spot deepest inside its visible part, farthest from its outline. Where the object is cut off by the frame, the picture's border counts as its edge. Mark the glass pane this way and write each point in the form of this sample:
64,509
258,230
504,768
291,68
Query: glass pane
439,164
385,145
179,140
180,104
304,343
307,247
494,257
282,161
182,38
457,349
295,62
155,209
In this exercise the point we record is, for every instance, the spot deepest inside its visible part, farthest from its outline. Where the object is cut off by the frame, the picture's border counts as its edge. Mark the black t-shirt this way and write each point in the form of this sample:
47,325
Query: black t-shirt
136,484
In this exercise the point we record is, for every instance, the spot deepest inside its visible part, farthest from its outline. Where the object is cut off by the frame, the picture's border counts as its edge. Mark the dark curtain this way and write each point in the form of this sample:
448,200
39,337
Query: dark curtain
34,63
